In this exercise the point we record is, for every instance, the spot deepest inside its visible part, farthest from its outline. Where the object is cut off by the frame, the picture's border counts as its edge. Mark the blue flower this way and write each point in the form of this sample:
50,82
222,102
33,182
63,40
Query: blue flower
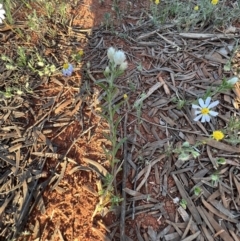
67,69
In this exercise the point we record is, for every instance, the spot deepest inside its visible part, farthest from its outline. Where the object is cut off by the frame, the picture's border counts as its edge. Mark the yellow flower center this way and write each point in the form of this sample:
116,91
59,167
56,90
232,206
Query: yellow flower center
80,52
65,66
204,111
157,2
217,135
214,2
196,8
125,96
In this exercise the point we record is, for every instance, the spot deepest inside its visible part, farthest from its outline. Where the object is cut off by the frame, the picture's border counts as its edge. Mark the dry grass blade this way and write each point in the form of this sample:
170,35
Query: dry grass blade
146,168
190,204
191,237
102,236
206,36
145,177
99,167
187,228
216,212
219,145
224,235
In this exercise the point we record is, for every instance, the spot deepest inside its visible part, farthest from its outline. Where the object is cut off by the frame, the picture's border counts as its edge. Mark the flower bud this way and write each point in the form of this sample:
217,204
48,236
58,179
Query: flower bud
119,57
110,53
233,81
107,70
123,66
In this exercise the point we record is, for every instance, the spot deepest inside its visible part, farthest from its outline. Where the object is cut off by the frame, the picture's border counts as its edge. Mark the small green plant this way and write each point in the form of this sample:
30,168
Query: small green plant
78,56
155,11
186,151
221,161
138,106
232,129
183,203
62,12
197,191
22,57
34,22
50,9
30,60
180,103
107,21
215,178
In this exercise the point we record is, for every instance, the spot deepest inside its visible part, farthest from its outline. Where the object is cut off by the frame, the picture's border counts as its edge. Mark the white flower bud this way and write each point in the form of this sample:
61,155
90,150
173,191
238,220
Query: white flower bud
123,66
233,81
110,53
119,57
107,70
176,200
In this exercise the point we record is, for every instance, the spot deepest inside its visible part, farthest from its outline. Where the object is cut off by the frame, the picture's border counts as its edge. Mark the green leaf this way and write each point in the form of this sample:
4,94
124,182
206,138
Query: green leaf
185,144
195,154
119,145
103,86
184,156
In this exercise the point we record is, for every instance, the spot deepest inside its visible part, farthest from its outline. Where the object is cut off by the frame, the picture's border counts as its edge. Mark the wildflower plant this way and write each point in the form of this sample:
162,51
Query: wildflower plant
116,67
155,10
224,86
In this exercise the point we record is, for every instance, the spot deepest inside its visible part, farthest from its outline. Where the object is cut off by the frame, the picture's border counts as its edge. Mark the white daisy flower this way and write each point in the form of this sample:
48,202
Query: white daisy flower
2,12
203,110
119,57
110,53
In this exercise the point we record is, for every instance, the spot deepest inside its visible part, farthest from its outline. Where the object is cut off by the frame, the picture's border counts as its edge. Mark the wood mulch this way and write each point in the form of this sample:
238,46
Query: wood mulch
51,153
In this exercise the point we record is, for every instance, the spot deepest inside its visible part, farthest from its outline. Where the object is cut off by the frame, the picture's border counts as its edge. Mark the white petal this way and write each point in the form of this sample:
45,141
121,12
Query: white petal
197,112
207,101
203,118
213,113
1,5
197,118
0,21
215,103
201,103
196,106
207,118
2,11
